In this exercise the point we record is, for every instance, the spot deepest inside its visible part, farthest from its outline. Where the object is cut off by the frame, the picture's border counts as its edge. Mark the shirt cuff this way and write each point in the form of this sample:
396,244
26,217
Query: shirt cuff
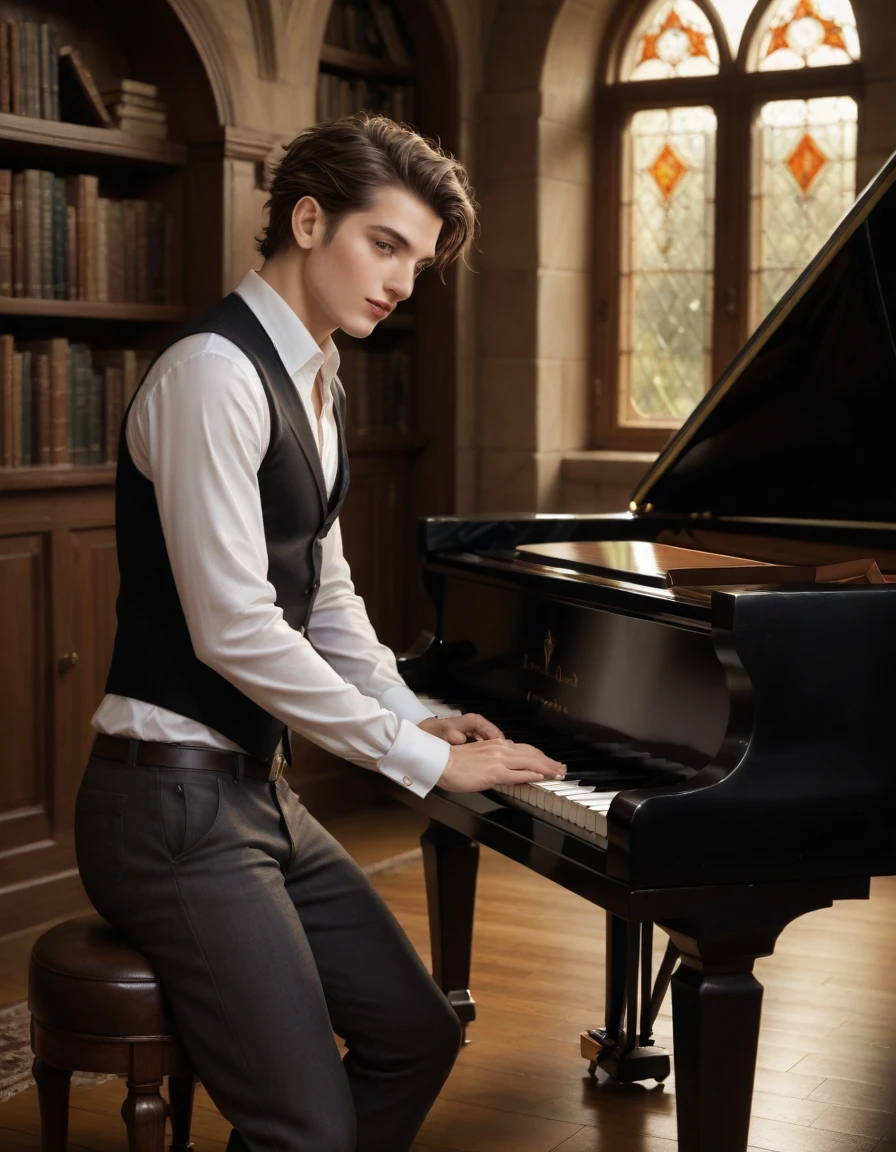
416,760
402,701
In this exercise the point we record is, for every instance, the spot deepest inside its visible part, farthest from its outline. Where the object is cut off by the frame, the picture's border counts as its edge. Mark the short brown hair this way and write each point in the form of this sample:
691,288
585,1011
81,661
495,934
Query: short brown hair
343,163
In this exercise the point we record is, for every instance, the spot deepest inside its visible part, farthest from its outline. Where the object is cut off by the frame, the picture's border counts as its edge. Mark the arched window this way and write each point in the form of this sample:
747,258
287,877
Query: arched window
728,152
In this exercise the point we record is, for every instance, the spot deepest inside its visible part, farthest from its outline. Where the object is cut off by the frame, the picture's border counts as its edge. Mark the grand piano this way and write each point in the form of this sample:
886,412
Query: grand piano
729,740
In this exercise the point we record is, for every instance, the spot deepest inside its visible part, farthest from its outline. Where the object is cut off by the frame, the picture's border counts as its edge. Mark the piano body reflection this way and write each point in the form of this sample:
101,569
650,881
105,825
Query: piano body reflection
730,749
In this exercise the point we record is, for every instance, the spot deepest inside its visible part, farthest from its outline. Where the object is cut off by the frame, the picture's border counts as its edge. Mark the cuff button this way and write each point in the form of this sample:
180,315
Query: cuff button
406,780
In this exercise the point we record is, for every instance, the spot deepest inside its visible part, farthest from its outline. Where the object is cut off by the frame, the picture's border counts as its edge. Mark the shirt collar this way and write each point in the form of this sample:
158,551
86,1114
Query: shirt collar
295,345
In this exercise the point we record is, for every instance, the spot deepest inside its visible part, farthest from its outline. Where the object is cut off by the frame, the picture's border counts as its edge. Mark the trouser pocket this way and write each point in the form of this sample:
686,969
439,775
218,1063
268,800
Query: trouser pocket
190,803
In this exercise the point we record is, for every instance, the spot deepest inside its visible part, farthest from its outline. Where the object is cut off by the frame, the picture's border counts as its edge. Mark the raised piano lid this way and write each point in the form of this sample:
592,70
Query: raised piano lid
801,426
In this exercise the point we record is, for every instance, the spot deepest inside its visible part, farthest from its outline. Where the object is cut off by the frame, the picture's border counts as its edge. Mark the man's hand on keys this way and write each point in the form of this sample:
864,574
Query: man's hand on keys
480,757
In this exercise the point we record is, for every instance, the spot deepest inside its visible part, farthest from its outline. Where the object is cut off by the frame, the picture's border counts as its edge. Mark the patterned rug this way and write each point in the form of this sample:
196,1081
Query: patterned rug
15,1022
15,1054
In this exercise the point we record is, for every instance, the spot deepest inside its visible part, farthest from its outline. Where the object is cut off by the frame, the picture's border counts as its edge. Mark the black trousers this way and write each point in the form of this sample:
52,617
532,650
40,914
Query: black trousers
267,938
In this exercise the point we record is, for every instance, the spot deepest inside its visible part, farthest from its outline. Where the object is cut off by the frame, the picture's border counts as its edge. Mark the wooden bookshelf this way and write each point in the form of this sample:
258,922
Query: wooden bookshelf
56,476
58,561
399,475
90,310
26,136
368,67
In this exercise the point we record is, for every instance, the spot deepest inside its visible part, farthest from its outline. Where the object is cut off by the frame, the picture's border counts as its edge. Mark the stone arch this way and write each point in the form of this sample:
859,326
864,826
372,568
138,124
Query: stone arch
201,23
535,285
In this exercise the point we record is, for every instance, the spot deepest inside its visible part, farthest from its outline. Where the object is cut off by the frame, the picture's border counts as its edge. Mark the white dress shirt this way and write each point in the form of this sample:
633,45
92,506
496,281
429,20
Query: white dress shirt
198,429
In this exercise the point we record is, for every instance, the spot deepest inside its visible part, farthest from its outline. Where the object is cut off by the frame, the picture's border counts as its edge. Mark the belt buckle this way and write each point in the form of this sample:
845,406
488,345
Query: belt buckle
277,762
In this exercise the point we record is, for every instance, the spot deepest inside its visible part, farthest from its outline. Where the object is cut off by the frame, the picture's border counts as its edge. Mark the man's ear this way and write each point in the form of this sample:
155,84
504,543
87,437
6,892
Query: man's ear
307,219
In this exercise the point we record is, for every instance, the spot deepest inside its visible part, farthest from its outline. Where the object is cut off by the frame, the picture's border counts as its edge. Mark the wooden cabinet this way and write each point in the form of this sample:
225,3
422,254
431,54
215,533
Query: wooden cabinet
58,583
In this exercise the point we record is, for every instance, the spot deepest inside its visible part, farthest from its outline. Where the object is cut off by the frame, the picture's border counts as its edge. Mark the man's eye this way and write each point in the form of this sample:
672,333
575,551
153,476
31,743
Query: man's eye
385,246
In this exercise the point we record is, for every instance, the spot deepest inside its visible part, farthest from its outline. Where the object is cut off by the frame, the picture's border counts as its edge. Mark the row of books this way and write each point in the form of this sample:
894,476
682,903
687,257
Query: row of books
337,97
370,28
136,107
377,390
61,240
62,403
40,78
29,69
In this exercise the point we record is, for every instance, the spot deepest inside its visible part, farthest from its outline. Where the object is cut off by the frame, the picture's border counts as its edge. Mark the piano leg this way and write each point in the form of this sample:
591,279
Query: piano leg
450,863
716,1006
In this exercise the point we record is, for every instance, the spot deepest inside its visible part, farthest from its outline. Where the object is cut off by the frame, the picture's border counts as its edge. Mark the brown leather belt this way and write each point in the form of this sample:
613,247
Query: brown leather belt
156,755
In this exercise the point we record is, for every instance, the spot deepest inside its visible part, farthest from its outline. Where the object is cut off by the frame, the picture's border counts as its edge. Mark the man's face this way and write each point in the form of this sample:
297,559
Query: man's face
371,262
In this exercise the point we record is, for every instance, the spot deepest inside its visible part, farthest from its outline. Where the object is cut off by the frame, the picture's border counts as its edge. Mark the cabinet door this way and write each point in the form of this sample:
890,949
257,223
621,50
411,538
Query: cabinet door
87,587
24,690
377,533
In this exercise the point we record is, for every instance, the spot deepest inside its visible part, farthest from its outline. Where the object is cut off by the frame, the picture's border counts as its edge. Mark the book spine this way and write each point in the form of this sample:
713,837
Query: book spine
54,77
129,249
71,252
59,239
7,354
91,195
129,378
172,266
18,233
32,55
96,404
114,228
60,388
75,197
5,85
46,96
102,249
5,232
113,412
47,275
41,418
33,281
142,272
24,66
156,248
15,458
15,67
26,458
80,384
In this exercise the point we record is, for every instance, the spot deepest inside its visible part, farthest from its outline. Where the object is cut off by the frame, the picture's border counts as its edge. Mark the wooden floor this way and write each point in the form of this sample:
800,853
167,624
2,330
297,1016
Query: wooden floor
825,1069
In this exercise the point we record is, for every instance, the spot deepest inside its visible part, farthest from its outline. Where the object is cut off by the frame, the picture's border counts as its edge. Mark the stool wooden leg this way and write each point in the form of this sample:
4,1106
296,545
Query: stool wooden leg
53,1086
180,1102
145,1111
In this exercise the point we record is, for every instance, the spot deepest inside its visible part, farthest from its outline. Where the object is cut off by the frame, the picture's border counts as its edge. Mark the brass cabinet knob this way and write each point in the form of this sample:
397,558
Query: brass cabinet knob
69,660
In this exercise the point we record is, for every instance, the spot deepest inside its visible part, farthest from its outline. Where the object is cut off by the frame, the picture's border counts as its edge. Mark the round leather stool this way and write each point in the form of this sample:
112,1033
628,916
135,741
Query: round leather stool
97,1006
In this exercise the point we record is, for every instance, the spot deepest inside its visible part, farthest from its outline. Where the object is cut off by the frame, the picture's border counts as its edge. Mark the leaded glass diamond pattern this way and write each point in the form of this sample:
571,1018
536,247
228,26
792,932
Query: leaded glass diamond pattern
666,264
805,180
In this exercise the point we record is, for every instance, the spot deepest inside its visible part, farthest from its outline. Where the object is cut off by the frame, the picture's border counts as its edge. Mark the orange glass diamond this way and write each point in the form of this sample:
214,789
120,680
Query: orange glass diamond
805,162
667,170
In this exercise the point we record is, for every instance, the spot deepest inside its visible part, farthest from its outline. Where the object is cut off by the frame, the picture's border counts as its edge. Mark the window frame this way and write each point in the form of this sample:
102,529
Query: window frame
736,96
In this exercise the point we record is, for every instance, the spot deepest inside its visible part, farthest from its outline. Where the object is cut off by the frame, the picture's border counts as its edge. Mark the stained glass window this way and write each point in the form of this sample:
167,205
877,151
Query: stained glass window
674,38
804,180
806,34
666,275
734,15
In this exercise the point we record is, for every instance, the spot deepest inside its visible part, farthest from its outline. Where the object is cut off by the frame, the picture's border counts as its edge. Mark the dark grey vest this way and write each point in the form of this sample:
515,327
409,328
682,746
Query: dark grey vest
153,658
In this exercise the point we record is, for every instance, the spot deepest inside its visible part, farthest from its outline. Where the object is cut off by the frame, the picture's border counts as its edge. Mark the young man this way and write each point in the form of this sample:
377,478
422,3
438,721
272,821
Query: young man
237,621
